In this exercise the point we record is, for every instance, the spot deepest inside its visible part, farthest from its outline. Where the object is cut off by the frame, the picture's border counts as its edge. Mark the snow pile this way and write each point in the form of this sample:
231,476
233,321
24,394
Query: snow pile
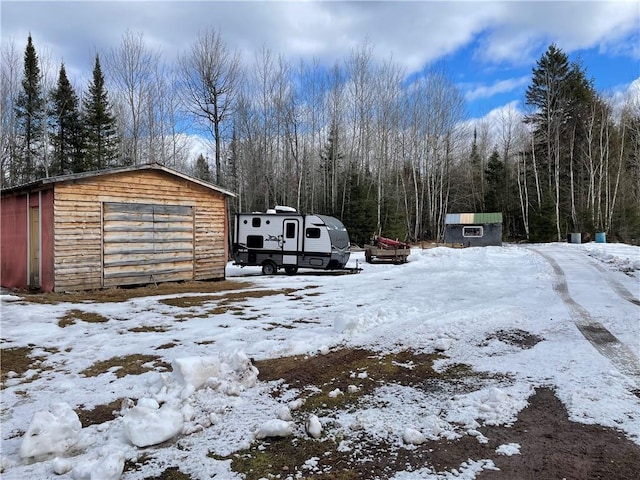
149,424
412,436
313,426
495,406
54,431
274,428
619,256
170,411
108,465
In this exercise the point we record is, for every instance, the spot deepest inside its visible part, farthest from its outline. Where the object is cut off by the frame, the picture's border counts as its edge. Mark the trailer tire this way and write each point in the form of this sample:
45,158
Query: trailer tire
291,270
269,268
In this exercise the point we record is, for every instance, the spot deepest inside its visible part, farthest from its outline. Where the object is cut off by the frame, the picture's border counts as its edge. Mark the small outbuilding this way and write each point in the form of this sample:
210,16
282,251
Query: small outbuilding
473,229
120,227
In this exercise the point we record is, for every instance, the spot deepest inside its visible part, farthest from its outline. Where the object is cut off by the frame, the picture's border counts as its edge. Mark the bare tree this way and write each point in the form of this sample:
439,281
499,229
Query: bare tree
210,74
10,80
131,67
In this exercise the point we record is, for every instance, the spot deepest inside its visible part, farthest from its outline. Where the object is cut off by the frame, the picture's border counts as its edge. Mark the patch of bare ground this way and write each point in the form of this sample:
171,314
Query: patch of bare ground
17,361
99,413
135,364
551,446
71,316
124,294
515,337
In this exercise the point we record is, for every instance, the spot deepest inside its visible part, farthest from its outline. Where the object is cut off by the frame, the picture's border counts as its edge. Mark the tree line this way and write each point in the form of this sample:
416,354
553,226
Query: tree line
356,140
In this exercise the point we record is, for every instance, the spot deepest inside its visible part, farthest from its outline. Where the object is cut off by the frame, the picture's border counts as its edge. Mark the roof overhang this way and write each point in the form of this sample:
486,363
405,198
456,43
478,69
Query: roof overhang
41,183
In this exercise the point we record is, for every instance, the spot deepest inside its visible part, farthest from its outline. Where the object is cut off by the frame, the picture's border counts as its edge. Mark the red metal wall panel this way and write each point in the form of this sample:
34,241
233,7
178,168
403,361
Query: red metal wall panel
13,241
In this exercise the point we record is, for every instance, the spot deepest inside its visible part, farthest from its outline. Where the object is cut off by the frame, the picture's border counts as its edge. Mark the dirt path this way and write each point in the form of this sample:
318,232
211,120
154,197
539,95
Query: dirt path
602,339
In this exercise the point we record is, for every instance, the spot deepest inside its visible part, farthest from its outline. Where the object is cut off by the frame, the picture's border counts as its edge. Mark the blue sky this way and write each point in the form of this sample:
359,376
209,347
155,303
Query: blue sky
488,48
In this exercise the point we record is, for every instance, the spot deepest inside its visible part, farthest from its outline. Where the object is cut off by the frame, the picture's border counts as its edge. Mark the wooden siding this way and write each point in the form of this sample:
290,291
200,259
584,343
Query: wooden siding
78,239
145,242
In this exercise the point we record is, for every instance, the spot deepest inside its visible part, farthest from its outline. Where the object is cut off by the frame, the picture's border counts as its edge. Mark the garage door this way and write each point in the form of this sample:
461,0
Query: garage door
147,243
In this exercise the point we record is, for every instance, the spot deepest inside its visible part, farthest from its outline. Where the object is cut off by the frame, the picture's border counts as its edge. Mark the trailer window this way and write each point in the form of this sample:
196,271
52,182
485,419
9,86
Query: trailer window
312,233
255,241
291,230
255,222
472,231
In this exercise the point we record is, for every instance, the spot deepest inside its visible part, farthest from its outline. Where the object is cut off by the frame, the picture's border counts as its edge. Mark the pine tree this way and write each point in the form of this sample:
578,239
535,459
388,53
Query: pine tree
558,93
476,181
30,113
202,169
331,157
495,175
101,140
66,137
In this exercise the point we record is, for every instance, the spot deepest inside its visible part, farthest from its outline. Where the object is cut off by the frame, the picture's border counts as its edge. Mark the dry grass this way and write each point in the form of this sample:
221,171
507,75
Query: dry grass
223,300
134,364
71,316
99,413
20,360
124,294
16,360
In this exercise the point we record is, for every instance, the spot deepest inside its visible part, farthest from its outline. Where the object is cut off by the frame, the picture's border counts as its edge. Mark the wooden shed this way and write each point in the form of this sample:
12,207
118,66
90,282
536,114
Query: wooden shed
473,229
126,226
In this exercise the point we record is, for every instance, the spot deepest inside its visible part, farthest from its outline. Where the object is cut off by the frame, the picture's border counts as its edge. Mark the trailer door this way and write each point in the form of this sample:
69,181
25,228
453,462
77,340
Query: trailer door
290,242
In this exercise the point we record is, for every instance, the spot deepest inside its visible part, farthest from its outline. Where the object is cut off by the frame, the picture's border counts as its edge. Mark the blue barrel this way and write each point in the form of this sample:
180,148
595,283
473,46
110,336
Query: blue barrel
575,237
601,237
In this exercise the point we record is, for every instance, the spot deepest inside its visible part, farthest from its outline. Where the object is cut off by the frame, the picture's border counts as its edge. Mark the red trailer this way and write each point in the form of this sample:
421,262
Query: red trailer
386,250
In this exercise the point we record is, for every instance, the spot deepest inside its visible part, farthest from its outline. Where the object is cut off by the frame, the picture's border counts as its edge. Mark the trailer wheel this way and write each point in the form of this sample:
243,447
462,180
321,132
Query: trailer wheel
291,270
269,268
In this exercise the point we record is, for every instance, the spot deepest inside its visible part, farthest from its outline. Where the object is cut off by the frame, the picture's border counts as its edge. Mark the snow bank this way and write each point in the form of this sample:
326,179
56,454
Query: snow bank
195,371
167,411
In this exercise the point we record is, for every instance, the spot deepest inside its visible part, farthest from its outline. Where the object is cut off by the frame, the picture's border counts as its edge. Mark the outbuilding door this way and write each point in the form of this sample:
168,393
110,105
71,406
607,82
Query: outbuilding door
34,247
147,243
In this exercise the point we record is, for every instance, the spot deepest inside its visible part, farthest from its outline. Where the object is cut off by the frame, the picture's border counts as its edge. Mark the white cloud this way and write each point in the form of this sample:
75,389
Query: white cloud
501,86
416,33
624,96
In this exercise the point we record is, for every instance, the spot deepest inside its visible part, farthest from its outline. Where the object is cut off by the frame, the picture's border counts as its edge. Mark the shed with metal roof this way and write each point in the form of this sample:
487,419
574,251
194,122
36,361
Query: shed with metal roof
473,229
124,226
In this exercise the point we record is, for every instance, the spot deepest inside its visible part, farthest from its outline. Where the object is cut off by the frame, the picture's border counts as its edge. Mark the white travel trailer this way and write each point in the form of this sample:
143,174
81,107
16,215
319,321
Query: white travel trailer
284,238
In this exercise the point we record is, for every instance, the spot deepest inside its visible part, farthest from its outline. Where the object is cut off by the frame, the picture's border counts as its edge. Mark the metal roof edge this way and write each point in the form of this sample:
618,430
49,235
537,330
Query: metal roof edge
129,168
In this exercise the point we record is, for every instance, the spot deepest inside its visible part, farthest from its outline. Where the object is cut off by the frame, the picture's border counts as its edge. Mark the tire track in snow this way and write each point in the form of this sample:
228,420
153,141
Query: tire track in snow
616,285
602,339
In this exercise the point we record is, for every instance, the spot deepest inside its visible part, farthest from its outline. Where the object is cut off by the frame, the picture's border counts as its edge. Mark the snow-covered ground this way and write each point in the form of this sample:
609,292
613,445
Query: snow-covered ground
447,300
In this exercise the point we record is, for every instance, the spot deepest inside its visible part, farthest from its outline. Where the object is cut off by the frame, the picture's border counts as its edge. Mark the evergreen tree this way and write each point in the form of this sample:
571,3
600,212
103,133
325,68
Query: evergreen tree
66,136
496,177
360,208
101,140
477,185
558,94
202,169
30,113
331,159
